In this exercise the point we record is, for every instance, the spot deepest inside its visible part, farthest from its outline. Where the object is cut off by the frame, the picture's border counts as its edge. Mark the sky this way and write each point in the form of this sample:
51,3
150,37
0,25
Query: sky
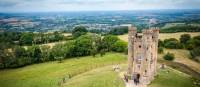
93,5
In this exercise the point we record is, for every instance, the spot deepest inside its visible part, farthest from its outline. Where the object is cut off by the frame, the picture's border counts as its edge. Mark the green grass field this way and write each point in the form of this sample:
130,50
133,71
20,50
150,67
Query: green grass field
50,73
172,78
85,72
106,77
101,77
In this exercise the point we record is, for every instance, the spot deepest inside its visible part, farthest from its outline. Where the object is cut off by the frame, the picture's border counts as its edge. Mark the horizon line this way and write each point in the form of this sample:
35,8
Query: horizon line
94,10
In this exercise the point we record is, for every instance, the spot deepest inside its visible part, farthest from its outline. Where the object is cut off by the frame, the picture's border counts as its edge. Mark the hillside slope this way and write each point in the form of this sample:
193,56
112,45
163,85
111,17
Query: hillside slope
50,73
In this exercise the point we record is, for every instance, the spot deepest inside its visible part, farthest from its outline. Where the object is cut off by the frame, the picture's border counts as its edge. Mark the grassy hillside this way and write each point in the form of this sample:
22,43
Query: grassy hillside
172,78
106,77
101,77
49,74
84,73
163,36
182,56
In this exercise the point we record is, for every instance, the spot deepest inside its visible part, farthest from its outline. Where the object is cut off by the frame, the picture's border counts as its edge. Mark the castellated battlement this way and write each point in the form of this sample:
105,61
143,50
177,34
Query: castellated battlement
142,54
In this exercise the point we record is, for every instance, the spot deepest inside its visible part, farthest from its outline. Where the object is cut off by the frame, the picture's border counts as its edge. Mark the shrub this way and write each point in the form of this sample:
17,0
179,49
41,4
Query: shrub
160,43
184,38
195,53
169,56
160,50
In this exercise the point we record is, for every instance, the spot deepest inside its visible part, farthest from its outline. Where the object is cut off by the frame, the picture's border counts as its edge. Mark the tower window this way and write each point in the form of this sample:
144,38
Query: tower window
139,46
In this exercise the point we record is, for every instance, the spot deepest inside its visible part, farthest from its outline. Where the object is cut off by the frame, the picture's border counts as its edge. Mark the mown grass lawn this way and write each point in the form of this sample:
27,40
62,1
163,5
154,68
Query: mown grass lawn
50,73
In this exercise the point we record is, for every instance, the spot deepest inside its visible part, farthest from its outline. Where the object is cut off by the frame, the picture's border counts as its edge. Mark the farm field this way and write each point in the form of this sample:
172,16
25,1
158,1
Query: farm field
163,36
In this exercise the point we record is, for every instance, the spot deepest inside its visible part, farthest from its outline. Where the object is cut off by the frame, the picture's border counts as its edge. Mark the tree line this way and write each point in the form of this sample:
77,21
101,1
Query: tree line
181,28
81,44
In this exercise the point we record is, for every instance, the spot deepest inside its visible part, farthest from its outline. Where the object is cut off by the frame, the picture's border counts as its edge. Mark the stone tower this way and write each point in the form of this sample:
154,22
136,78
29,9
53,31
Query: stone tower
142,54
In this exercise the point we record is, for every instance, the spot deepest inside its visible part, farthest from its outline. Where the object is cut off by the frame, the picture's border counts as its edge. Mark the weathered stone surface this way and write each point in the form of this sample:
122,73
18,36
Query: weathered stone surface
142,55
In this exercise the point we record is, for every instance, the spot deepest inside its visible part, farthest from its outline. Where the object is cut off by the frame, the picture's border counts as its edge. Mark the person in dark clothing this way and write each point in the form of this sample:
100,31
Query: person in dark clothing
138,78
125,77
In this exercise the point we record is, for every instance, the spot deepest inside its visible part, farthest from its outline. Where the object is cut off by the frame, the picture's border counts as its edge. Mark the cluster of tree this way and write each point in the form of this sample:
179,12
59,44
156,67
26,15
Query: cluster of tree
184,42
19,56
119,30
78,31
181,28
84,44
8,39
89,44
193,45
39,38
170,43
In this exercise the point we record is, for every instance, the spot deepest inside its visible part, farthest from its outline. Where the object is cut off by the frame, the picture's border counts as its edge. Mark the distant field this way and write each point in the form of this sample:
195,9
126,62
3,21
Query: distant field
163,36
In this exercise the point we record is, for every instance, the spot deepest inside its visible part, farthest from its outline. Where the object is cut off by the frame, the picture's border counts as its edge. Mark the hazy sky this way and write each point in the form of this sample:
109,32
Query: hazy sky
88,5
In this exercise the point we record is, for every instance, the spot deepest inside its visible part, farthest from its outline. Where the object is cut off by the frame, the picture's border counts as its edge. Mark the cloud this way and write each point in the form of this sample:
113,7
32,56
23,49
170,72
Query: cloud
79,5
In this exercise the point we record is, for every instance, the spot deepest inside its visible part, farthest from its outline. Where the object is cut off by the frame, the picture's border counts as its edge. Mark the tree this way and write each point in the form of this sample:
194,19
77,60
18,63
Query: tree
169,56
195,53
78,31
26,38
83,45
172,43
19,51
58,51
119,30
190,44
196,41
109,41
184,38
160,43
119,46
45,53
35,53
